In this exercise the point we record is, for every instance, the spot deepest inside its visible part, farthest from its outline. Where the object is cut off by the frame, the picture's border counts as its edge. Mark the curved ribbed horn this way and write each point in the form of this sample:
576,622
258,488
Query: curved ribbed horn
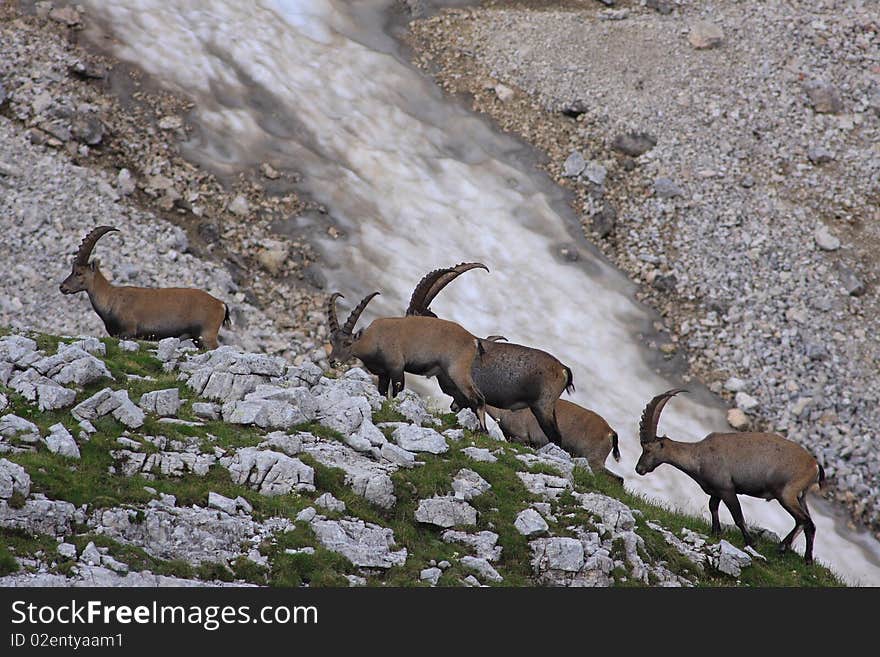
88,243
651,415
331,312
356,313
430,286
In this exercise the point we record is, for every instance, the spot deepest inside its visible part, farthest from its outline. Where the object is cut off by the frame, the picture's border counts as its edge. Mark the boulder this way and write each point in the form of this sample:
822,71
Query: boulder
13,479
419,439
272,473
364,544
467,485
61,442
445,512
530,523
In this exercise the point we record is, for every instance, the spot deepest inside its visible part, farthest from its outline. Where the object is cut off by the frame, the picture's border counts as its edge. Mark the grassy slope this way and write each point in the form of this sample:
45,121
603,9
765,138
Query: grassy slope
87,481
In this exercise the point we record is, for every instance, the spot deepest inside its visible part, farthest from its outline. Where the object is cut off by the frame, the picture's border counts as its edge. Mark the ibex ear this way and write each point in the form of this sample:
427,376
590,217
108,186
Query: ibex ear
357,335
93,265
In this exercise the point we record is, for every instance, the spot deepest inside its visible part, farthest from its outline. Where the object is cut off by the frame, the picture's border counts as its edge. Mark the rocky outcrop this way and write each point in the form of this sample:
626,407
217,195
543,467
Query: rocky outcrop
364,544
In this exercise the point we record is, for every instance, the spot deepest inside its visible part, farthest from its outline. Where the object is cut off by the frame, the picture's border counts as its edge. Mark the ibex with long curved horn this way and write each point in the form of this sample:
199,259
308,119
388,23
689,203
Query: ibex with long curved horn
145,312
725,465
391,346
509,376
584,433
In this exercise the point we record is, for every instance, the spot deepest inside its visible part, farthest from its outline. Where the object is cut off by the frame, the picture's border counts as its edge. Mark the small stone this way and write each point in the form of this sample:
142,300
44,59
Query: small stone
398,455
603,222
67,550
445,512
530,523
663,7
13,479
430,575
420,439
665,283
125,185
634,143
704,35
467,419
819,155
614,14
853,285
91,555
68,16
734,384
218,501
574,108
825,240
87,129
306,514
164,403
327,501
60,441
747,181
595,173
745,401
823,97
269,171
482,567
467,485
273,256
239,206
479,454
206,410
170,123
737,419
504,92
573,165
667,188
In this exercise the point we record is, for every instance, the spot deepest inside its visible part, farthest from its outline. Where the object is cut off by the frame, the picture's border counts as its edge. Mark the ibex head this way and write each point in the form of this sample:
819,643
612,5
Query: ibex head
342,339
84,271
653,446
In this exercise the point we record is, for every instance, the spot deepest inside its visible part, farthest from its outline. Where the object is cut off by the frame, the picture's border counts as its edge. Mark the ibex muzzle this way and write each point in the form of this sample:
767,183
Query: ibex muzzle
143,312
763,465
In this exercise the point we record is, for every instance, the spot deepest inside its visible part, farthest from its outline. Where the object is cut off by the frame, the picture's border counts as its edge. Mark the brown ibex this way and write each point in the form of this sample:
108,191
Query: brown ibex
145,312
509,376
391,346
763,465
584,433
431,284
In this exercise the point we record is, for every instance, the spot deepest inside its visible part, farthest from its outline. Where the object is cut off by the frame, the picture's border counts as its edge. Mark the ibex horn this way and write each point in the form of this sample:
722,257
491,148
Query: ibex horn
651,415
356,313
88,243
331,312
430,286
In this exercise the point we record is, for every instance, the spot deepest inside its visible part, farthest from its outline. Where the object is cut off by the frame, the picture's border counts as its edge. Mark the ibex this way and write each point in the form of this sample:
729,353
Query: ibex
762,465
144,312
509,376
584,433
391,346
431,284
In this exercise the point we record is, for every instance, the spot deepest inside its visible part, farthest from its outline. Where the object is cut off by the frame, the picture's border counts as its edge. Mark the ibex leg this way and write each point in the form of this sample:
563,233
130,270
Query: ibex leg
547,421
732,503
714,502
